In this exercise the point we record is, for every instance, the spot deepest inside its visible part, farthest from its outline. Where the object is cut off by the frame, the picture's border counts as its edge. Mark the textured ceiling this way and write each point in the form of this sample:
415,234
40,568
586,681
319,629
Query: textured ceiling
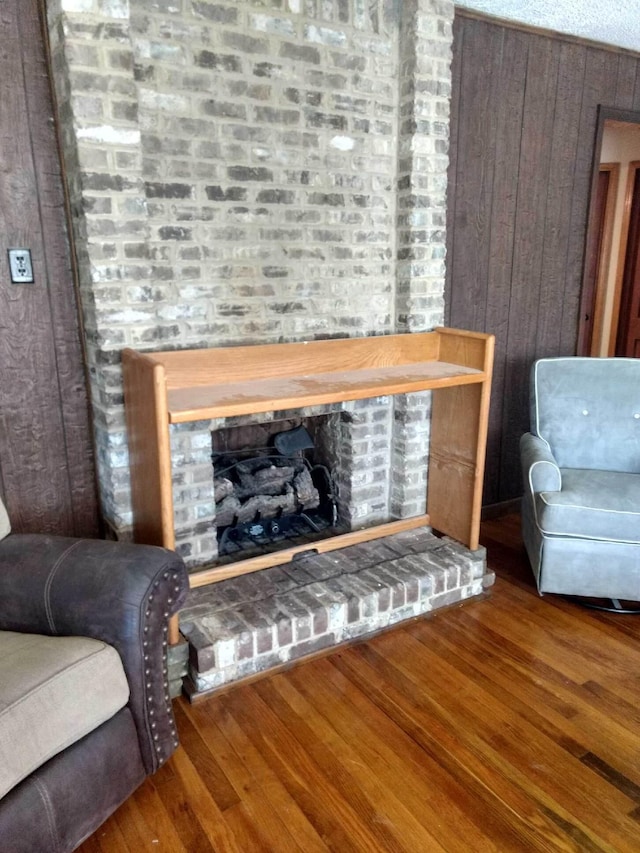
611,21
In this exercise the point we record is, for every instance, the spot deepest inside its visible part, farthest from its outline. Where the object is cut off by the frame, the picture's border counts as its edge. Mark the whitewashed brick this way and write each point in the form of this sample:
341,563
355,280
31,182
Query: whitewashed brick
322,35
245,191
269,24
115,8
109,135
79,6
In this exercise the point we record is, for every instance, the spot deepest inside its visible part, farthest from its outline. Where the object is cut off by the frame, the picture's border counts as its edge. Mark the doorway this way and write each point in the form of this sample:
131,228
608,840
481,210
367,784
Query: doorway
628,326
610,304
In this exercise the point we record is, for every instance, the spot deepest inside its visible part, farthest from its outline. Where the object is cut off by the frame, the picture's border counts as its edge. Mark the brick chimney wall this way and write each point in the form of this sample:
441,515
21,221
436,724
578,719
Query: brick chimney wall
251,172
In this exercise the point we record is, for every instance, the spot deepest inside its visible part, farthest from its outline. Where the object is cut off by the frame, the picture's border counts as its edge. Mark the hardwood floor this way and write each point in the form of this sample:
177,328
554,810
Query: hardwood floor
511,723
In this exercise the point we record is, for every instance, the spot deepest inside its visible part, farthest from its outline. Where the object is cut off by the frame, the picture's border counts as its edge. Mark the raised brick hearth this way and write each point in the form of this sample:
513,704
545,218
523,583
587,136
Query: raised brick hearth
246,625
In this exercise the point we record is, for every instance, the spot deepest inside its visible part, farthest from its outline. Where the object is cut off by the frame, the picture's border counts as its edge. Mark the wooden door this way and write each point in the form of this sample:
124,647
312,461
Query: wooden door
628,338
597,260
47,473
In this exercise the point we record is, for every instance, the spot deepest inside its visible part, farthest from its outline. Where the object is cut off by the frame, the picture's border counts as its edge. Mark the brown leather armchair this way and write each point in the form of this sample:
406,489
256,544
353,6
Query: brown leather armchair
121,595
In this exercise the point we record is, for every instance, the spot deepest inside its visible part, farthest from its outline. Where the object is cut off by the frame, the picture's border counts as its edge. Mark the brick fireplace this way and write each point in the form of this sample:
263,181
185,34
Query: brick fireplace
407,565
247,172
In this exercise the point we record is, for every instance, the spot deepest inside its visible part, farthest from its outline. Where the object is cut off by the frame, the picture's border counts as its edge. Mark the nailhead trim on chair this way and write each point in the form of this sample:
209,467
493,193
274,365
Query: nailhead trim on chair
164,721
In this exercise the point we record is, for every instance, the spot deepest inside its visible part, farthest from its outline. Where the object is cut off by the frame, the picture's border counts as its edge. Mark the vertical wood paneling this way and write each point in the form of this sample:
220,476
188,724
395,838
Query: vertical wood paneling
516,242
626,81
509,106
31,433
636,91
456,81
488,140
45,435
565,141
474,172
64,316
528,247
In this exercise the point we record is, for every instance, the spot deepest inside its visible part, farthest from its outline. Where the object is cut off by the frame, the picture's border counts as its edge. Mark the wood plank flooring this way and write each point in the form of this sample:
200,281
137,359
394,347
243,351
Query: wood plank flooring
511,723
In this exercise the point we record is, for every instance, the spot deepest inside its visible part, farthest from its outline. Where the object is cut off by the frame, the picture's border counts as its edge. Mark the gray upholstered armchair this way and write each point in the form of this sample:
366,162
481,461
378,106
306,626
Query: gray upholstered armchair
581,469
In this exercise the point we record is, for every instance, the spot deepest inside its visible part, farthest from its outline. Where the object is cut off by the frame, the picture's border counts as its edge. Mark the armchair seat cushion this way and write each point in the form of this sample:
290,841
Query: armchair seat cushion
601,505
53,692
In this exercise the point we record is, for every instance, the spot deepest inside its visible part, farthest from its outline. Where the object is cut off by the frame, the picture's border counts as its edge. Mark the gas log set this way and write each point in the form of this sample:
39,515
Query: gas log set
267,494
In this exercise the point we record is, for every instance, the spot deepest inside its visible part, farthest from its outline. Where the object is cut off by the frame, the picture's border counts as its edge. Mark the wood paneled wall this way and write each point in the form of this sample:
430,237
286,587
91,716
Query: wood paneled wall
47,473
524,116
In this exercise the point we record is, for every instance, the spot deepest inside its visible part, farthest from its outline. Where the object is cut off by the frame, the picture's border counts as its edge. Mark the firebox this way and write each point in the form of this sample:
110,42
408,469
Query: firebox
271,496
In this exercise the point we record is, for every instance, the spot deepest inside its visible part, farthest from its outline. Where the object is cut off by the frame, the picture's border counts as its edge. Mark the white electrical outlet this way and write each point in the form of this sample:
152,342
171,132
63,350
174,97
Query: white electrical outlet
20,266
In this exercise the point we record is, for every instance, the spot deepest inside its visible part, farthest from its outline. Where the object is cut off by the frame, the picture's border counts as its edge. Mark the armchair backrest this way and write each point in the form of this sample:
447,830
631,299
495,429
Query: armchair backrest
588,410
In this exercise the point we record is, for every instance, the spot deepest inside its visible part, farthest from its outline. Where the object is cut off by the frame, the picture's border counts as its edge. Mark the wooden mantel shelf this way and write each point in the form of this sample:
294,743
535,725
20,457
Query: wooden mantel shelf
164,388
294,392
226,381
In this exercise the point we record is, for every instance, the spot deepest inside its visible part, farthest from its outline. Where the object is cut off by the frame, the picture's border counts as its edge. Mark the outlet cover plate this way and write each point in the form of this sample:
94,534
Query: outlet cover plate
20,266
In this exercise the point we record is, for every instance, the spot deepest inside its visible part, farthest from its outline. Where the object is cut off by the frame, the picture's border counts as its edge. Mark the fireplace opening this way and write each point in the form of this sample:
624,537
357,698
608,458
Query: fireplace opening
271,496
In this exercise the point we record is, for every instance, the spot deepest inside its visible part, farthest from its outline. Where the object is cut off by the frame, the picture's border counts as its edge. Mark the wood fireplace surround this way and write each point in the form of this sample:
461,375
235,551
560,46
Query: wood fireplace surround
164,388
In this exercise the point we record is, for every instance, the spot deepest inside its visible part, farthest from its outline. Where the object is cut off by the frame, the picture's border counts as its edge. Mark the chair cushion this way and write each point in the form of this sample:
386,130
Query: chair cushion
592,505
53,691
5,526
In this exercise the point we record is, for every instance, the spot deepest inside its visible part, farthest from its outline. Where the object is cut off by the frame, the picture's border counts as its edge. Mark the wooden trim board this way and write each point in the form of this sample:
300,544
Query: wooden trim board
149,450
321,546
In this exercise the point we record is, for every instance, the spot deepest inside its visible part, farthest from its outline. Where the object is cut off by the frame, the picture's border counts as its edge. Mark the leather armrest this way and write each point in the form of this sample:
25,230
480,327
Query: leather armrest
117,592
540,470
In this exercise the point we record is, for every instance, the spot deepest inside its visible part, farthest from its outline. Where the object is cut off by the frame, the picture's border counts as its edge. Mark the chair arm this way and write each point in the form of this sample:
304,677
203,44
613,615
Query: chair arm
540,470
117,592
